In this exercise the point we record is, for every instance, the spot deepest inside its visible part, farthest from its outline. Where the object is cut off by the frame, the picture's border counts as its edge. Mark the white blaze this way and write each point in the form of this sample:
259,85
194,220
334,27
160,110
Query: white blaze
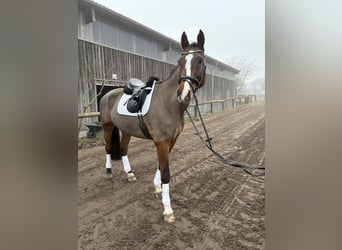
186,87
188,59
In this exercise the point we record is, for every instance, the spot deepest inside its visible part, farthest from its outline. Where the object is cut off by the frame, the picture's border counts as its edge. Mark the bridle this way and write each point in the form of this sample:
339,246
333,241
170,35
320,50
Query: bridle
196,81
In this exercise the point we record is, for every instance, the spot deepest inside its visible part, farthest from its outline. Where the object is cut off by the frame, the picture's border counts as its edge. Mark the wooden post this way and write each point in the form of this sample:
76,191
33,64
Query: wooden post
211,107
89,114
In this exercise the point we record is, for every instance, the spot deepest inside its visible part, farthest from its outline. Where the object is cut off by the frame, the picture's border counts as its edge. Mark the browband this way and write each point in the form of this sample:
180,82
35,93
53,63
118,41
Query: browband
191,52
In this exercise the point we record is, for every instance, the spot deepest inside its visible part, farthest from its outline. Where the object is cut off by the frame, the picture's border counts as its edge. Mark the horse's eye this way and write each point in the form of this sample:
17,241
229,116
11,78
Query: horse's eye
199,60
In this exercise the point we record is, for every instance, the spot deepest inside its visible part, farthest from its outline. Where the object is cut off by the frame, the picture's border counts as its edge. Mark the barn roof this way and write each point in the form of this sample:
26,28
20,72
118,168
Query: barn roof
138,27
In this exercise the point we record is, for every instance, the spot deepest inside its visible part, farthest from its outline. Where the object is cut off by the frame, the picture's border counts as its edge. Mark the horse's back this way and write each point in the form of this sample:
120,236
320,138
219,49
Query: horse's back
107,103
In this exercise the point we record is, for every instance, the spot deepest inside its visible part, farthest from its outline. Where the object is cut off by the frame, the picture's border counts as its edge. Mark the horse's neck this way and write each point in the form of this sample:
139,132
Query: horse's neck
172,80
170,85
168,89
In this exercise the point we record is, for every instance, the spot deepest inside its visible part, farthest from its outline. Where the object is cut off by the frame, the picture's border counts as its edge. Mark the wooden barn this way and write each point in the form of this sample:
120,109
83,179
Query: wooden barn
113,48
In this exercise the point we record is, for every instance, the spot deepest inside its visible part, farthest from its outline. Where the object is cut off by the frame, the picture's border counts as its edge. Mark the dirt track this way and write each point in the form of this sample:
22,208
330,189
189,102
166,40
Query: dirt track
216,207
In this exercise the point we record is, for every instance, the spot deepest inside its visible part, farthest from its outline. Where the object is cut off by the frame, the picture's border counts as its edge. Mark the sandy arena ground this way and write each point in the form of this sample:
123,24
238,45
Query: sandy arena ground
216,206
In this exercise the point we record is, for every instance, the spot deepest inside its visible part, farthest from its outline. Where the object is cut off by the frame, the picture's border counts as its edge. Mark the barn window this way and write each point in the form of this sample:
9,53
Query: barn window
90,16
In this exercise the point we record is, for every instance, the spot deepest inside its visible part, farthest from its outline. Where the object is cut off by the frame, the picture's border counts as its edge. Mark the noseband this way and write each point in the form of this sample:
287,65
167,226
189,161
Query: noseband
196,81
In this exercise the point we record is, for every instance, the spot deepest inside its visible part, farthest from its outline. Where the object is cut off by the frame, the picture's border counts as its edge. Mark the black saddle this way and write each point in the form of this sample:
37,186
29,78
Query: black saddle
138,92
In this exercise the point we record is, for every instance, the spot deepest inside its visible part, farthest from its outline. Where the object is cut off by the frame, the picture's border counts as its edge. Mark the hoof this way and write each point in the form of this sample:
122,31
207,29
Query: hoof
157,195
131,177
109,173
157,190
168,214
169,218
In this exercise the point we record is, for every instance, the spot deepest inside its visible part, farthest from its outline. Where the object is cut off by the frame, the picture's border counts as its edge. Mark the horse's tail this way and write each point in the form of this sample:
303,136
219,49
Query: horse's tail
115,141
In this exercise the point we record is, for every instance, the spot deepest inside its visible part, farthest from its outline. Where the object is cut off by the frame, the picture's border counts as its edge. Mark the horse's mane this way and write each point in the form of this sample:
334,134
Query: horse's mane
173,71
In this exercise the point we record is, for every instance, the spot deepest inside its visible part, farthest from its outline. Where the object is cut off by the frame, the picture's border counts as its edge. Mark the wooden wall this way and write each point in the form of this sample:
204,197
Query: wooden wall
100,62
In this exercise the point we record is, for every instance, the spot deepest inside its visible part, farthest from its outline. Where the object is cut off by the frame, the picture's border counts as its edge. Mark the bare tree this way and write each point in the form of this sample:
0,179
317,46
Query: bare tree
247,70
257,87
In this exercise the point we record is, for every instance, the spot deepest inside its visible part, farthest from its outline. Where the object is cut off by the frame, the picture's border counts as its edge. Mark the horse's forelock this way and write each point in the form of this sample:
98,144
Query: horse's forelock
194,46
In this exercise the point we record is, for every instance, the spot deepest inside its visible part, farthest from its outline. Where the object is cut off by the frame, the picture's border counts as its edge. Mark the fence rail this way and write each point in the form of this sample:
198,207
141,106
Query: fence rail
245,99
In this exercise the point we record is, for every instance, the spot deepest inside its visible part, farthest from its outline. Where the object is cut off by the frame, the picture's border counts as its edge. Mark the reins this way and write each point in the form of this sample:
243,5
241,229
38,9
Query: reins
249,169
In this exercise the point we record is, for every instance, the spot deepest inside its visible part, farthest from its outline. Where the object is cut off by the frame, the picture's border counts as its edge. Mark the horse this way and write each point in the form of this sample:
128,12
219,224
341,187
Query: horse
164,120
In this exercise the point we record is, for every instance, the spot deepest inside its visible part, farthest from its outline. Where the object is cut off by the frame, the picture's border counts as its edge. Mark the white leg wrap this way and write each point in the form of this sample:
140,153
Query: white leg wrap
165,195
108,161
125,161
168,212
157,182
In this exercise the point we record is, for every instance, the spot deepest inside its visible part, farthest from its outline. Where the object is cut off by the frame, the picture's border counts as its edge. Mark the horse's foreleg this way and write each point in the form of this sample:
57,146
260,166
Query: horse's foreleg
163,149
157,178
124,148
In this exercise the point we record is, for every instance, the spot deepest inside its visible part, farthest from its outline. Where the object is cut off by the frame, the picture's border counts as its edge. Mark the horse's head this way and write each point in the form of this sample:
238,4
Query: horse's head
192,68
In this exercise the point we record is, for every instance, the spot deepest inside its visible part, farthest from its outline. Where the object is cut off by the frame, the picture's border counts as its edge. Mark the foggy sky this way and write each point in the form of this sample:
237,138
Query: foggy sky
233,28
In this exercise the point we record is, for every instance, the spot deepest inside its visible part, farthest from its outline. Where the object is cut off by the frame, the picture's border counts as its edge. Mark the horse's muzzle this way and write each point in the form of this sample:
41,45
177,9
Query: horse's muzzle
185,100
184,92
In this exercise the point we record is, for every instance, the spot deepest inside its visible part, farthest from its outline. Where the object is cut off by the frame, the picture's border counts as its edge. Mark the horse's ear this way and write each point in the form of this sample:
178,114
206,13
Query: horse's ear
200,40
184,41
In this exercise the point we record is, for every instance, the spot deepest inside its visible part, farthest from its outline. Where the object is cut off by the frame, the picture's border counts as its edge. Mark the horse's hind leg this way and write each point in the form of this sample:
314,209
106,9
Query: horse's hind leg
124,148
107,135
112,139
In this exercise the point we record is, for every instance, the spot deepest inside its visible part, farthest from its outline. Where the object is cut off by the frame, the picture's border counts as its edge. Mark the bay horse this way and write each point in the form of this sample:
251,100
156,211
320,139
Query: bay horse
164,120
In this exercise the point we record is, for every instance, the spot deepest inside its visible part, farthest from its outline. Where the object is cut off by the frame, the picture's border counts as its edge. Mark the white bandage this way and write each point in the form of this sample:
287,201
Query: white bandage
108,161
157,181
165,195
126,165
